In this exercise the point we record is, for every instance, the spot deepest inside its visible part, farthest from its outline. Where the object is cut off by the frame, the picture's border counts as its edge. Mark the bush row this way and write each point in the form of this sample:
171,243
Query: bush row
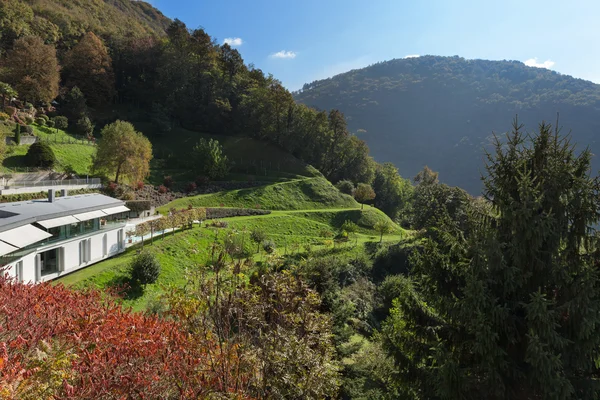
217,213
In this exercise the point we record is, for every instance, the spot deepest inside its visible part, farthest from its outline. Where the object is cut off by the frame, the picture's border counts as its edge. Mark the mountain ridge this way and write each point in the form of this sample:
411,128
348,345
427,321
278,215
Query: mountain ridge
441,111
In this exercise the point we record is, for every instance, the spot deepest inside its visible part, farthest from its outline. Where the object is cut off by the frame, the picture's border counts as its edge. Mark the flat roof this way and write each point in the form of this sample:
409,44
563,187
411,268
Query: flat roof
13,215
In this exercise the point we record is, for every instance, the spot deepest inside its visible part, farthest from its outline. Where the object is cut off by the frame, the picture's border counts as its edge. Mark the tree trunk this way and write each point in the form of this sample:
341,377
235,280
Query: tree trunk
118,173
362,206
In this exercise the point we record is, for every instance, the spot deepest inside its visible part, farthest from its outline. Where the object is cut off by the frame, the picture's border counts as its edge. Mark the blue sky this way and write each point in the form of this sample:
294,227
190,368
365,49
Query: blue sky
299,41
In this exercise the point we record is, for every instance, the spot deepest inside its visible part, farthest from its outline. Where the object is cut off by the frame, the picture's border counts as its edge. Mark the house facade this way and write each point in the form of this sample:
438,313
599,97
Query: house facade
42,240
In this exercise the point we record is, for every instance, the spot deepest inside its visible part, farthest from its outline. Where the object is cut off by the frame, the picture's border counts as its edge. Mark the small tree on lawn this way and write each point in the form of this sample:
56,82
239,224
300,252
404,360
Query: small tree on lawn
351,228
61,122
258,236
382,227
364,192
40,155
145,268
141,230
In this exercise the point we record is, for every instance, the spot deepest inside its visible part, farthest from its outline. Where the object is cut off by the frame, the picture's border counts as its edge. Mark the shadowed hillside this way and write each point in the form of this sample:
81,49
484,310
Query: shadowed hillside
441,111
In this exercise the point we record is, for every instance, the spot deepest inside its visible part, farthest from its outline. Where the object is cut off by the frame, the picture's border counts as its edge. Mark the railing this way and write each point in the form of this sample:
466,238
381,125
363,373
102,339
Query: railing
60,182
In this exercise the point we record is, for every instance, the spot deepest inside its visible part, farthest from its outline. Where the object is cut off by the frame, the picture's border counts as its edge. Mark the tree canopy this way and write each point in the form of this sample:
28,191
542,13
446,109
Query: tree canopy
124,152
390,105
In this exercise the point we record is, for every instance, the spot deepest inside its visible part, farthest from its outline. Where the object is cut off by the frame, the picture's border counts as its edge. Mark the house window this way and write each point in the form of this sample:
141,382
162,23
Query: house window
49,262
19,271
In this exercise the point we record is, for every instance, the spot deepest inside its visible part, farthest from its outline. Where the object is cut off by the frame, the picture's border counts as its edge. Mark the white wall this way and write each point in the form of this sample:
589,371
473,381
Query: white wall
70,261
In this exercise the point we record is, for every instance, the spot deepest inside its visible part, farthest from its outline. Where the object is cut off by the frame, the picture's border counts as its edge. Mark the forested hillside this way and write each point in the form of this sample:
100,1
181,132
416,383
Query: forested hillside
441,111
63,22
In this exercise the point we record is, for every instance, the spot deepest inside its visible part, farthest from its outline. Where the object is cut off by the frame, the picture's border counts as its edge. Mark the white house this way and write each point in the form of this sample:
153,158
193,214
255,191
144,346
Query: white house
43,239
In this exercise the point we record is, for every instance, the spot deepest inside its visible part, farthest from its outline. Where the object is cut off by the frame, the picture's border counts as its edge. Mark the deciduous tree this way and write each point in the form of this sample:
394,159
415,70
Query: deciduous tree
32,69
123,151
364,192
89,67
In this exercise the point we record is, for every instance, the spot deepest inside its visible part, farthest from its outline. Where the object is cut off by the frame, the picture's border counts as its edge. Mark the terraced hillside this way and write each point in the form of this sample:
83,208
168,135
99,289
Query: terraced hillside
307,214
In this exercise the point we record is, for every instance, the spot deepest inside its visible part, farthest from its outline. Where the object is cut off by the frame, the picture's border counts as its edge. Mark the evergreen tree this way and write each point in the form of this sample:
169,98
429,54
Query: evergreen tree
510,308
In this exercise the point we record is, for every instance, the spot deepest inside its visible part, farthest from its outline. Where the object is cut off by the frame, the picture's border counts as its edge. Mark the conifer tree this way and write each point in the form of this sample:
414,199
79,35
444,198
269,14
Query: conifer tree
510,308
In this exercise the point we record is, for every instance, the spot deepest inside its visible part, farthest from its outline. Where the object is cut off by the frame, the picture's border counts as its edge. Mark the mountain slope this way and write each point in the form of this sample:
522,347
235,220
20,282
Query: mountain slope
441,111
63,22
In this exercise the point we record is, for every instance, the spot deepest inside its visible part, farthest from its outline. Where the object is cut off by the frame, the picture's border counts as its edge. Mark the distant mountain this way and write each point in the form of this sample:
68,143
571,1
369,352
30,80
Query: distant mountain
441,111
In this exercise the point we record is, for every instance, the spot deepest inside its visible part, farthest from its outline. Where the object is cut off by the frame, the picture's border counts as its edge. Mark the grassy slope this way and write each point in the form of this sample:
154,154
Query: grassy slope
76,155
313,206
303,194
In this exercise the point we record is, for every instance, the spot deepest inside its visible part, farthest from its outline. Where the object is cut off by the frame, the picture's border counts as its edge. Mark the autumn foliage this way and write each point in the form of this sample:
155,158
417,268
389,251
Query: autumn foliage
58,343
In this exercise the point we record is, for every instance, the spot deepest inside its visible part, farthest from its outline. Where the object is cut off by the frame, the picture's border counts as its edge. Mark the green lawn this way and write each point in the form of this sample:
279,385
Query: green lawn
188,251
75,156
302,194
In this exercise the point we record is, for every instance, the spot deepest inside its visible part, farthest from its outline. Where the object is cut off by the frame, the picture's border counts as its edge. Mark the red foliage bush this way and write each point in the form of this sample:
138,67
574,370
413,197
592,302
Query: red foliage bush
162,189
112,187
139,185
109,352
190,187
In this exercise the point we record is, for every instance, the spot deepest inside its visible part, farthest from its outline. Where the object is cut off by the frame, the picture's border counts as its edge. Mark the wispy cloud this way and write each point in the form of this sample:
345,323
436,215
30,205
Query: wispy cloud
233,41
283,54
533,62
412,56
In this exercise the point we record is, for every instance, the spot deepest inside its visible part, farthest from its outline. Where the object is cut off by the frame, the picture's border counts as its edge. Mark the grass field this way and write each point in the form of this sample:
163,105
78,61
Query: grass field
75,156
188,251
300,194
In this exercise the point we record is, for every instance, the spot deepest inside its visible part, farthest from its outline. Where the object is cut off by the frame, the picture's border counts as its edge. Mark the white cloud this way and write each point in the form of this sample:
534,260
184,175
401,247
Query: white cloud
233,41
533,62
283,54
412,56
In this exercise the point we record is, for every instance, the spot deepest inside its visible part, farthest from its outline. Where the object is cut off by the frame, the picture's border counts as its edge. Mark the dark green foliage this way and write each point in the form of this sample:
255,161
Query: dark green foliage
346,187
28,129
508,308
40,155
210,160
18,134
73,104
145,268
84,126
268,246
61,122
443,110
433,202
393,193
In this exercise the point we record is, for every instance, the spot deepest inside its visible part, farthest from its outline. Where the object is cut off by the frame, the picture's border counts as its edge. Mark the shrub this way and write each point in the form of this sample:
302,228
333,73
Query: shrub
18,134
44,117
29,106
168,181
190,187
40,155
40,121
145,268
162,189
219,224
50,123
84,126
112,187
216,213
28,119
258,236
28,130
202,180
61,122
345,186
269,246
4,116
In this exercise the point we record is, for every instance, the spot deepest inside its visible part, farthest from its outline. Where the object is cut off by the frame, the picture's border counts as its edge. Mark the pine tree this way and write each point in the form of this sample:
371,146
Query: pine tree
509,308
